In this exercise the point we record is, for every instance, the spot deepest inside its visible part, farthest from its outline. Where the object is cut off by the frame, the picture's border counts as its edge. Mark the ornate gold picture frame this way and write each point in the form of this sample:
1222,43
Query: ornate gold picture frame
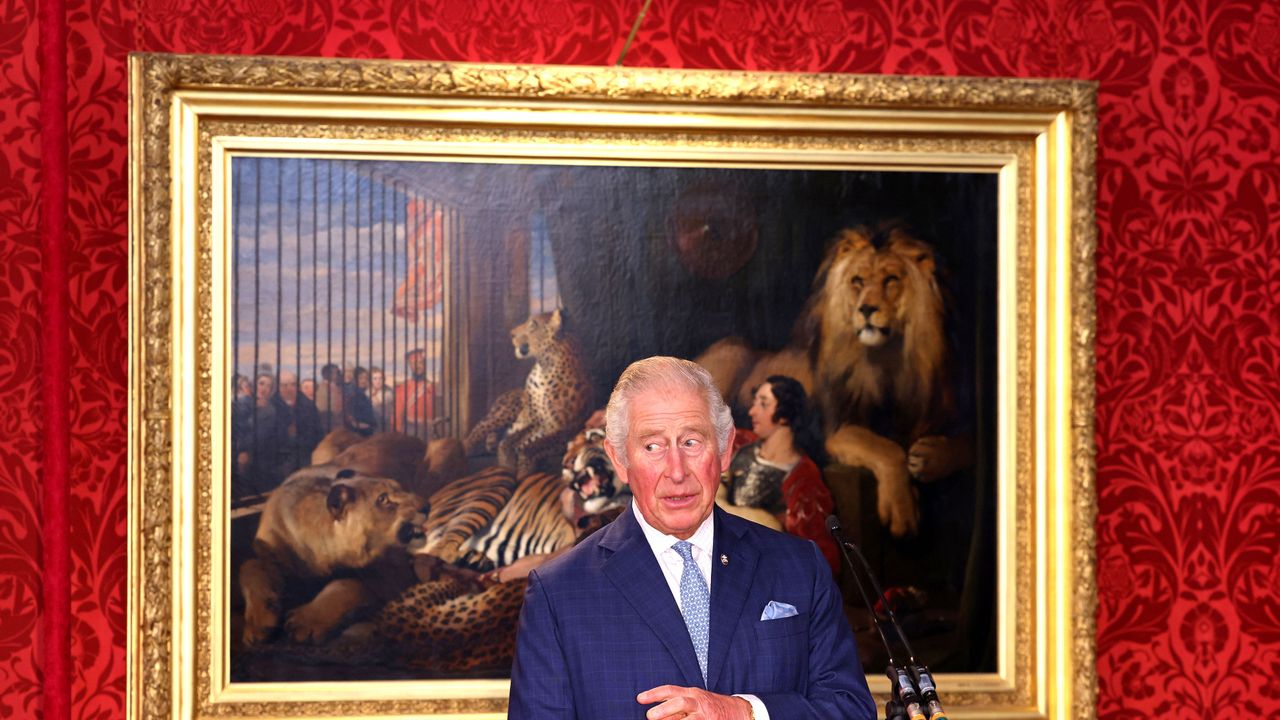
192,117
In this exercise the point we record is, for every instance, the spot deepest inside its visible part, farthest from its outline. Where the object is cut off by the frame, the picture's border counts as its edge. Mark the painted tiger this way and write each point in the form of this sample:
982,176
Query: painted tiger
489,520
463,509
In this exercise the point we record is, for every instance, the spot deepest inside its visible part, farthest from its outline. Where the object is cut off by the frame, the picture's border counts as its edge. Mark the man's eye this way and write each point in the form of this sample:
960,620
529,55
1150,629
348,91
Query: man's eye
691,442
651,447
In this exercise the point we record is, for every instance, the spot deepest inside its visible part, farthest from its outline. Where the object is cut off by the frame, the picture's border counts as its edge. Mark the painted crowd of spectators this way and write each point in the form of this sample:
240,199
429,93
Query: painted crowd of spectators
276,422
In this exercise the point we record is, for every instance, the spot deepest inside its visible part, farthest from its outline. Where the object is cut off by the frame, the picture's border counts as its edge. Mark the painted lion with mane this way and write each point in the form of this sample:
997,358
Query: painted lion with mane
872,351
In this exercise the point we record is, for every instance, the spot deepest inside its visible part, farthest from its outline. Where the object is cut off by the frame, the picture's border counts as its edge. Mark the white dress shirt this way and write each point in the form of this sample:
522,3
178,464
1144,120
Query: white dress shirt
703,541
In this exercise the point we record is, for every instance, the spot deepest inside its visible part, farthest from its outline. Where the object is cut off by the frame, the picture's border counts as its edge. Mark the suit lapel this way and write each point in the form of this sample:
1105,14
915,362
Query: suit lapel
634,571
730,584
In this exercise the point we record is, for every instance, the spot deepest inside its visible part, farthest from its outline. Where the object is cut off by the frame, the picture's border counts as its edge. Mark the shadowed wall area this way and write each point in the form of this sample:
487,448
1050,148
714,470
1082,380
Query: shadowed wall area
1188,335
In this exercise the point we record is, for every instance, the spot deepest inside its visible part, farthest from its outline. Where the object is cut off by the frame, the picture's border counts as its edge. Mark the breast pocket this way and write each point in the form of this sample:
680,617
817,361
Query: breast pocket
782,627
780,656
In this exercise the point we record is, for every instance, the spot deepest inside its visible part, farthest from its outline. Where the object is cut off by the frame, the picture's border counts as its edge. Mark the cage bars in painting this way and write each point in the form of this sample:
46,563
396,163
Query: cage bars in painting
340,263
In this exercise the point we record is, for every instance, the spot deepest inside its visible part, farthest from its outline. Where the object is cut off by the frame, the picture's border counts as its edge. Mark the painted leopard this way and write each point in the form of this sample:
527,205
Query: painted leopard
455,624
447,626
552,406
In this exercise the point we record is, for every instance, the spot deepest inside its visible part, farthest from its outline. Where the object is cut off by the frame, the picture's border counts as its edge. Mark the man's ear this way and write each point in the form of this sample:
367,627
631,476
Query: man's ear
619,468
340,496
727,454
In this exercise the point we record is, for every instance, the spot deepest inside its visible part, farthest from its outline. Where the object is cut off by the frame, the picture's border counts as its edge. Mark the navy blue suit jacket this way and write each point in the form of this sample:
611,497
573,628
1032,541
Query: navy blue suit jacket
599,626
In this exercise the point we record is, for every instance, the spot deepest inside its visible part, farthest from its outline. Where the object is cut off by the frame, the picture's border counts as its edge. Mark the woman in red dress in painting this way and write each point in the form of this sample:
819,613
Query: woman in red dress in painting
773,468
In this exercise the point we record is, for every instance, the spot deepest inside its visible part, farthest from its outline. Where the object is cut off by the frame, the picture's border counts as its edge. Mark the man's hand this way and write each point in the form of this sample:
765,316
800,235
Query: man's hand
693,703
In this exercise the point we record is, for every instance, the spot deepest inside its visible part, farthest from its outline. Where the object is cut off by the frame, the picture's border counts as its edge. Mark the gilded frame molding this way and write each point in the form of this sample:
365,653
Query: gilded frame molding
188,113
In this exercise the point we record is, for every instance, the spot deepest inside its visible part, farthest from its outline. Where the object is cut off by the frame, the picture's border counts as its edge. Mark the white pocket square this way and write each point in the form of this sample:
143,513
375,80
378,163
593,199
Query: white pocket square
777,610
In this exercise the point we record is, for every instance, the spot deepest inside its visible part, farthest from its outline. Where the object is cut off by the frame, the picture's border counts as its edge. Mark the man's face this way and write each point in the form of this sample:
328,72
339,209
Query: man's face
418,363
265,387
309,389
672,464
377,380
289,389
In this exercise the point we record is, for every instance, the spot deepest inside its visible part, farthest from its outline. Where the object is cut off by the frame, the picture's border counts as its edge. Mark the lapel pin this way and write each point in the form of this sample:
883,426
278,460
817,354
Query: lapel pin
724,559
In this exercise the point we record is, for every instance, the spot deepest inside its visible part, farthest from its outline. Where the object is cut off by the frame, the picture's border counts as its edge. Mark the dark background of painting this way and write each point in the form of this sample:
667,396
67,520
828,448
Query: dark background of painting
628,288
1188,341
631,292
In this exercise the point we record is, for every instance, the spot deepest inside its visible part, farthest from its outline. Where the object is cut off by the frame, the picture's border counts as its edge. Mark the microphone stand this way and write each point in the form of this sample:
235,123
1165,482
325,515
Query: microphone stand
909,684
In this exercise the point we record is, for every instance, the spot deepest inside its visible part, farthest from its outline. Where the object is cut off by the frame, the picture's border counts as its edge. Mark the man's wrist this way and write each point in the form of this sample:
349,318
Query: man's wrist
757,710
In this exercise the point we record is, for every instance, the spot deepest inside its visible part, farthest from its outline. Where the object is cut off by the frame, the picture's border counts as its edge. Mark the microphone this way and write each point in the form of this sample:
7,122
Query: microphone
911,683
924,681
907,694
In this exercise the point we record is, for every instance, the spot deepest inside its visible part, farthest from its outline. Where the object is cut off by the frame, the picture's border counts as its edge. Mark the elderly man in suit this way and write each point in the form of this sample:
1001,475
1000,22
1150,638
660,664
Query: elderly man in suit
677,609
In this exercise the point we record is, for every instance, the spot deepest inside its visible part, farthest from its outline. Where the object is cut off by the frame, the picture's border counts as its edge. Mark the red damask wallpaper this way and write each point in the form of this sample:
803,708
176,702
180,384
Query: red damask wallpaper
1188,341
20,407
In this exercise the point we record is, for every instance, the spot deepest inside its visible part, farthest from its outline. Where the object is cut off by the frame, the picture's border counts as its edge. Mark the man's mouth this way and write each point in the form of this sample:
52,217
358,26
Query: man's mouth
679,501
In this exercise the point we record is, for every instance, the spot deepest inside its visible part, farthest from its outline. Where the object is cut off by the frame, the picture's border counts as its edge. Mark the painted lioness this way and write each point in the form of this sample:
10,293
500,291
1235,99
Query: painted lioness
332,545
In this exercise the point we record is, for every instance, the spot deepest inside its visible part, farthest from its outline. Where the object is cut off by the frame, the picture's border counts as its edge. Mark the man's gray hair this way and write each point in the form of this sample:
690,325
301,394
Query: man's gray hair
663,372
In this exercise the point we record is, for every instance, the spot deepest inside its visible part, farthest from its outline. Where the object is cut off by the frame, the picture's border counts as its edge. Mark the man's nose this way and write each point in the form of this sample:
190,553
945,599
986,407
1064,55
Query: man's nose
675,465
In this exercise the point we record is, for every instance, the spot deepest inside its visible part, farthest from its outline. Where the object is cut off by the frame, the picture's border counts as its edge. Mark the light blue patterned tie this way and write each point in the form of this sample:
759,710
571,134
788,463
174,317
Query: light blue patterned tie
695,603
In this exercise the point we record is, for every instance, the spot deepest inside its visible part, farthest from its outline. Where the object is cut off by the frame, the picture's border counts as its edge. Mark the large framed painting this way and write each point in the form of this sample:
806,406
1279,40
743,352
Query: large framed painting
377,307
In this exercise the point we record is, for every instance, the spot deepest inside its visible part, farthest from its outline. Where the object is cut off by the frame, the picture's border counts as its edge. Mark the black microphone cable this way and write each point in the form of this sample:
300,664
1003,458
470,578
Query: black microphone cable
833,524
905,700
833,527
920,674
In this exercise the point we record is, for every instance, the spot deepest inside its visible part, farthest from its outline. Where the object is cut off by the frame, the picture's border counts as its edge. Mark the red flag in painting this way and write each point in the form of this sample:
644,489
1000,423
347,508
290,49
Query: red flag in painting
423,285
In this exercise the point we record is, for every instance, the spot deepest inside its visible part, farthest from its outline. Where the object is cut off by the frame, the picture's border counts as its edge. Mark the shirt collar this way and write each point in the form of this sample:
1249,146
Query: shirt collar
703,538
